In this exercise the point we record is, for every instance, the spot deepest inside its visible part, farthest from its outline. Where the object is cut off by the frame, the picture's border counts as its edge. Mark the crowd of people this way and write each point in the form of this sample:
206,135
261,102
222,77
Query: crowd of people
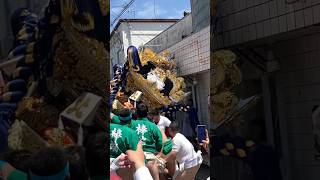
147,145
58,163
143,145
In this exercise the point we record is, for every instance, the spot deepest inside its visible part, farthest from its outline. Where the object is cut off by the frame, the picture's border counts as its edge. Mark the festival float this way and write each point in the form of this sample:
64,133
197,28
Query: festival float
150,78
228,110
225,77
54,82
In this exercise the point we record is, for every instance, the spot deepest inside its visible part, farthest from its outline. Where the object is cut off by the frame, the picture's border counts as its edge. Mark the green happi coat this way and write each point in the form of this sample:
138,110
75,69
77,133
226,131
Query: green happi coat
149,134
122,138
115,120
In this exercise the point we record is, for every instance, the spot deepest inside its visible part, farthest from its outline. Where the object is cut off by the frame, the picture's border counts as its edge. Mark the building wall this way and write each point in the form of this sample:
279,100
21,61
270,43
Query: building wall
200,14
243,21
299,84
193,59
172,35
203,90
133,33
193,53
116,50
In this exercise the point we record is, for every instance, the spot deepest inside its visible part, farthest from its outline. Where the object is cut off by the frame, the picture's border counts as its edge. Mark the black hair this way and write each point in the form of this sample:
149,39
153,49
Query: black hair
48,161
124,112
174,126
154,112
97,154
142,110
76,158
18,159
168,87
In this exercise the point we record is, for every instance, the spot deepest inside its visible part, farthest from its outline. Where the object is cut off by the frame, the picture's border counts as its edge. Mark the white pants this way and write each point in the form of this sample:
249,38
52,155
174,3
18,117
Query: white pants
197,161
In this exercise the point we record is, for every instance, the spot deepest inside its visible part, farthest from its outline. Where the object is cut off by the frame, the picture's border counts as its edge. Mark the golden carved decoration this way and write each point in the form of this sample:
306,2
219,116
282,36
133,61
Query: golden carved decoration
225,76
161,61
164,70
104,6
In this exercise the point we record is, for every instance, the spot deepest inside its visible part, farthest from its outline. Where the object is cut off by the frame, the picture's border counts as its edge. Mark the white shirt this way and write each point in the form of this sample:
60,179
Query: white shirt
152,77
163,123
183,147
142,173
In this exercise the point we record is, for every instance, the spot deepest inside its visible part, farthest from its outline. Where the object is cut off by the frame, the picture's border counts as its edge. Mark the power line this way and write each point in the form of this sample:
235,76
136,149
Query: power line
123,11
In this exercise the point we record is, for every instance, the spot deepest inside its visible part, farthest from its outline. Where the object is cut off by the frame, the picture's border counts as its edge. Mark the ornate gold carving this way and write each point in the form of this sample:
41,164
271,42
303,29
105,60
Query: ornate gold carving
151,94
79,104
147,55
37,114
104,6
225,76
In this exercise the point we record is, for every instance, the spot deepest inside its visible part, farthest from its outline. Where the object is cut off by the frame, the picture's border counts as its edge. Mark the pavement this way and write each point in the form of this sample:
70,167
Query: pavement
203,173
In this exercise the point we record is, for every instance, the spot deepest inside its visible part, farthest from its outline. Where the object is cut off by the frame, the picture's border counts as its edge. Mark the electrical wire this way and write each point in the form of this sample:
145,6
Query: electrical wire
122,12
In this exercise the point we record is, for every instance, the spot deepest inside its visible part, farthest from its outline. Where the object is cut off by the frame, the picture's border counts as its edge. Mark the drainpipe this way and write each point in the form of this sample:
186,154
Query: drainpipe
195,98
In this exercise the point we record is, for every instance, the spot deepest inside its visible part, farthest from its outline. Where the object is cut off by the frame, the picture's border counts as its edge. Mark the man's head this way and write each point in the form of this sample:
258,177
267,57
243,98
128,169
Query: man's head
125,116
154,116
174,128
50,161
142,110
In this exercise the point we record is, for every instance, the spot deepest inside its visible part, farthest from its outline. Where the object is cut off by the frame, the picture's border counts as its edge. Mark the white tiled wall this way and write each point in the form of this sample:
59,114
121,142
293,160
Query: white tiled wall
193,58
247,20
172,35
299,82
193,53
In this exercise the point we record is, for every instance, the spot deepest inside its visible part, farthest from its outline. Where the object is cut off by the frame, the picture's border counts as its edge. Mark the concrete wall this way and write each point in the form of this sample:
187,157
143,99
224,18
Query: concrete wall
172,35
138,34
203,90
7,8
247,20
299,84
200,14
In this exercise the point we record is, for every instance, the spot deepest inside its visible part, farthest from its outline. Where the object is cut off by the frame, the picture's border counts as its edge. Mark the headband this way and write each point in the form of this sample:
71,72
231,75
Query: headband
2,163
60,175
126,118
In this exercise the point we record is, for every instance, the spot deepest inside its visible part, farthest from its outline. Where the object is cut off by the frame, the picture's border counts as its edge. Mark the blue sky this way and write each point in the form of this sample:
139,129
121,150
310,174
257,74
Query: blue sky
144,9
